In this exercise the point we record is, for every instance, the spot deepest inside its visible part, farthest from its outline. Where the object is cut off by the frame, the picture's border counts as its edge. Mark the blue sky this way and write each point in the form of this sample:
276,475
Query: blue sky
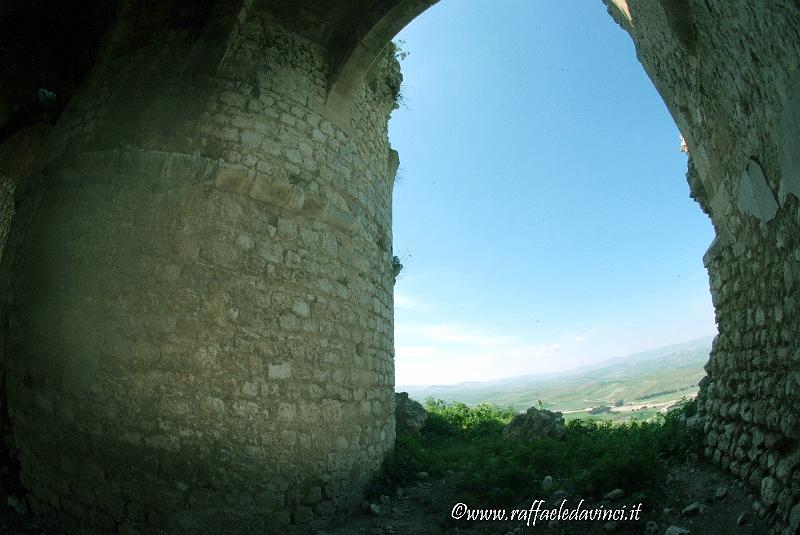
541,209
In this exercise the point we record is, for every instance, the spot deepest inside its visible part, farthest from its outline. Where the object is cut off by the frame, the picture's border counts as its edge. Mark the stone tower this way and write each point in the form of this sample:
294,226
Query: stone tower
198,288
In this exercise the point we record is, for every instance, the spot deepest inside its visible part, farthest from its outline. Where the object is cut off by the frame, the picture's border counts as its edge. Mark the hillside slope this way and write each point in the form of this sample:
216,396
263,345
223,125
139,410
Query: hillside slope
652,377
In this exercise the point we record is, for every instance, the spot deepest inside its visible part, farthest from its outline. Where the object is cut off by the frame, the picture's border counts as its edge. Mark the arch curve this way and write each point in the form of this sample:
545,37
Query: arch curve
352,61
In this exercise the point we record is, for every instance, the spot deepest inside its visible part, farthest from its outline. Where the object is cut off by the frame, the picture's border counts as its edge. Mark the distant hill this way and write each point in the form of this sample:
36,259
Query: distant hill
654,377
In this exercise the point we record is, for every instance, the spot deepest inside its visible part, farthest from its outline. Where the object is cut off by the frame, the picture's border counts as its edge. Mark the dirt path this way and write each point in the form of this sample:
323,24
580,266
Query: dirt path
425,509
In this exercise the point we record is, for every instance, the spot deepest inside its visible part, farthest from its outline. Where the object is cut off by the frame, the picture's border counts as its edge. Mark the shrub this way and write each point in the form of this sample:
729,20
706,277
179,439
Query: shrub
405,460
466,418
591,459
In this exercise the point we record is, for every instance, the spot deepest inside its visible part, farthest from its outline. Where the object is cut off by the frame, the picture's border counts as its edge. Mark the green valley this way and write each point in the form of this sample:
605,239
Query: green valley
634,387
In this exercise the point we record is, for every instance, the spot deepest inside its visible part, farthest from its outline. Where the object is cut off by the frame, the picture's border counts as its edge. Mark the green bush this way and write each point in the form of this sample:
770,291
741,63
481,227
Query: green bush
465,418
406,459
591,459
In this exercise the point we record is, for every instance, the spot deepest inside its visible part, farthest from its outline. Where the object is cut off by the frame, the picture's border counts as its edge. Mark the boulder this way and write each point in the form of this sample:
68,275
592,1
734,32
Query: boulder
534,424
742,519
770,490
410,415
694,508
794,518
611,527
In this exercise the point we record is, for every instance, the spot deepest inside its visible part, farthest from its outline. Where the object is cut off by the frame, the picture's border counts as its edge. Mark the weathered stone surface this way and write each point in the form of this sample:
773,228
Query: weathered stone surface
6,211
194,347
739,120
770,490
755,196
535,424
694,508
409,414
794,518
742,519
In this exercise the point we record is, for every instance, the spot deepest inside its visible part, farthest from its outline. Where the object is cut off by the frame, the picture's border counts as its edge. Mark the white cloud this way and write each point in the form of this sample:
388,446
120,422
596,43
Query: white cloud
403,300
414,352
461,335
540,351
448,333
698,277
451,353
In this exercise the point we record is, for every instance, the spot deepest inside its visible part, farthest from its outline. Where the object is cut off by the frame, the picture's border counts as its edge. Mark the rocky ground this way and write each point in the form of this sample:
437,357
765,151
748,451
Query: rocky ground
697,499
717,505
700,500
16,520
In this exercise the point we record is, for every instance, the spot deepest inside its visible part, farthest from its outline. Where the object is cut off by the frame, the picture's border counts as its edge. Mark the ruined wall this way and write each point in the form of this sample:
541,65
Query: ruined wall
730,74
6,211
197,290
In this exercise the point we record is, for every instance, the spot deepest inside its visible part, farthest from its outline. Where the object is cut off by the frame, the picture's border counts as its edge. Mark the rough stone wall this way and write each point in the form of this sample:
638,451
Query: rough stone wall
197,292
6,211
730,74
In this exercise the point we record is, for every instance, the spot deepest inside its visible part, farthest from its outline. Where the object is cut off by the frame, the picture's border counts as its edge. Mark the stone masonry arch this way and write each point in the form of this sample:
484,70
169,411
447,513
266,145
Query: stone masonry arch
196,330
